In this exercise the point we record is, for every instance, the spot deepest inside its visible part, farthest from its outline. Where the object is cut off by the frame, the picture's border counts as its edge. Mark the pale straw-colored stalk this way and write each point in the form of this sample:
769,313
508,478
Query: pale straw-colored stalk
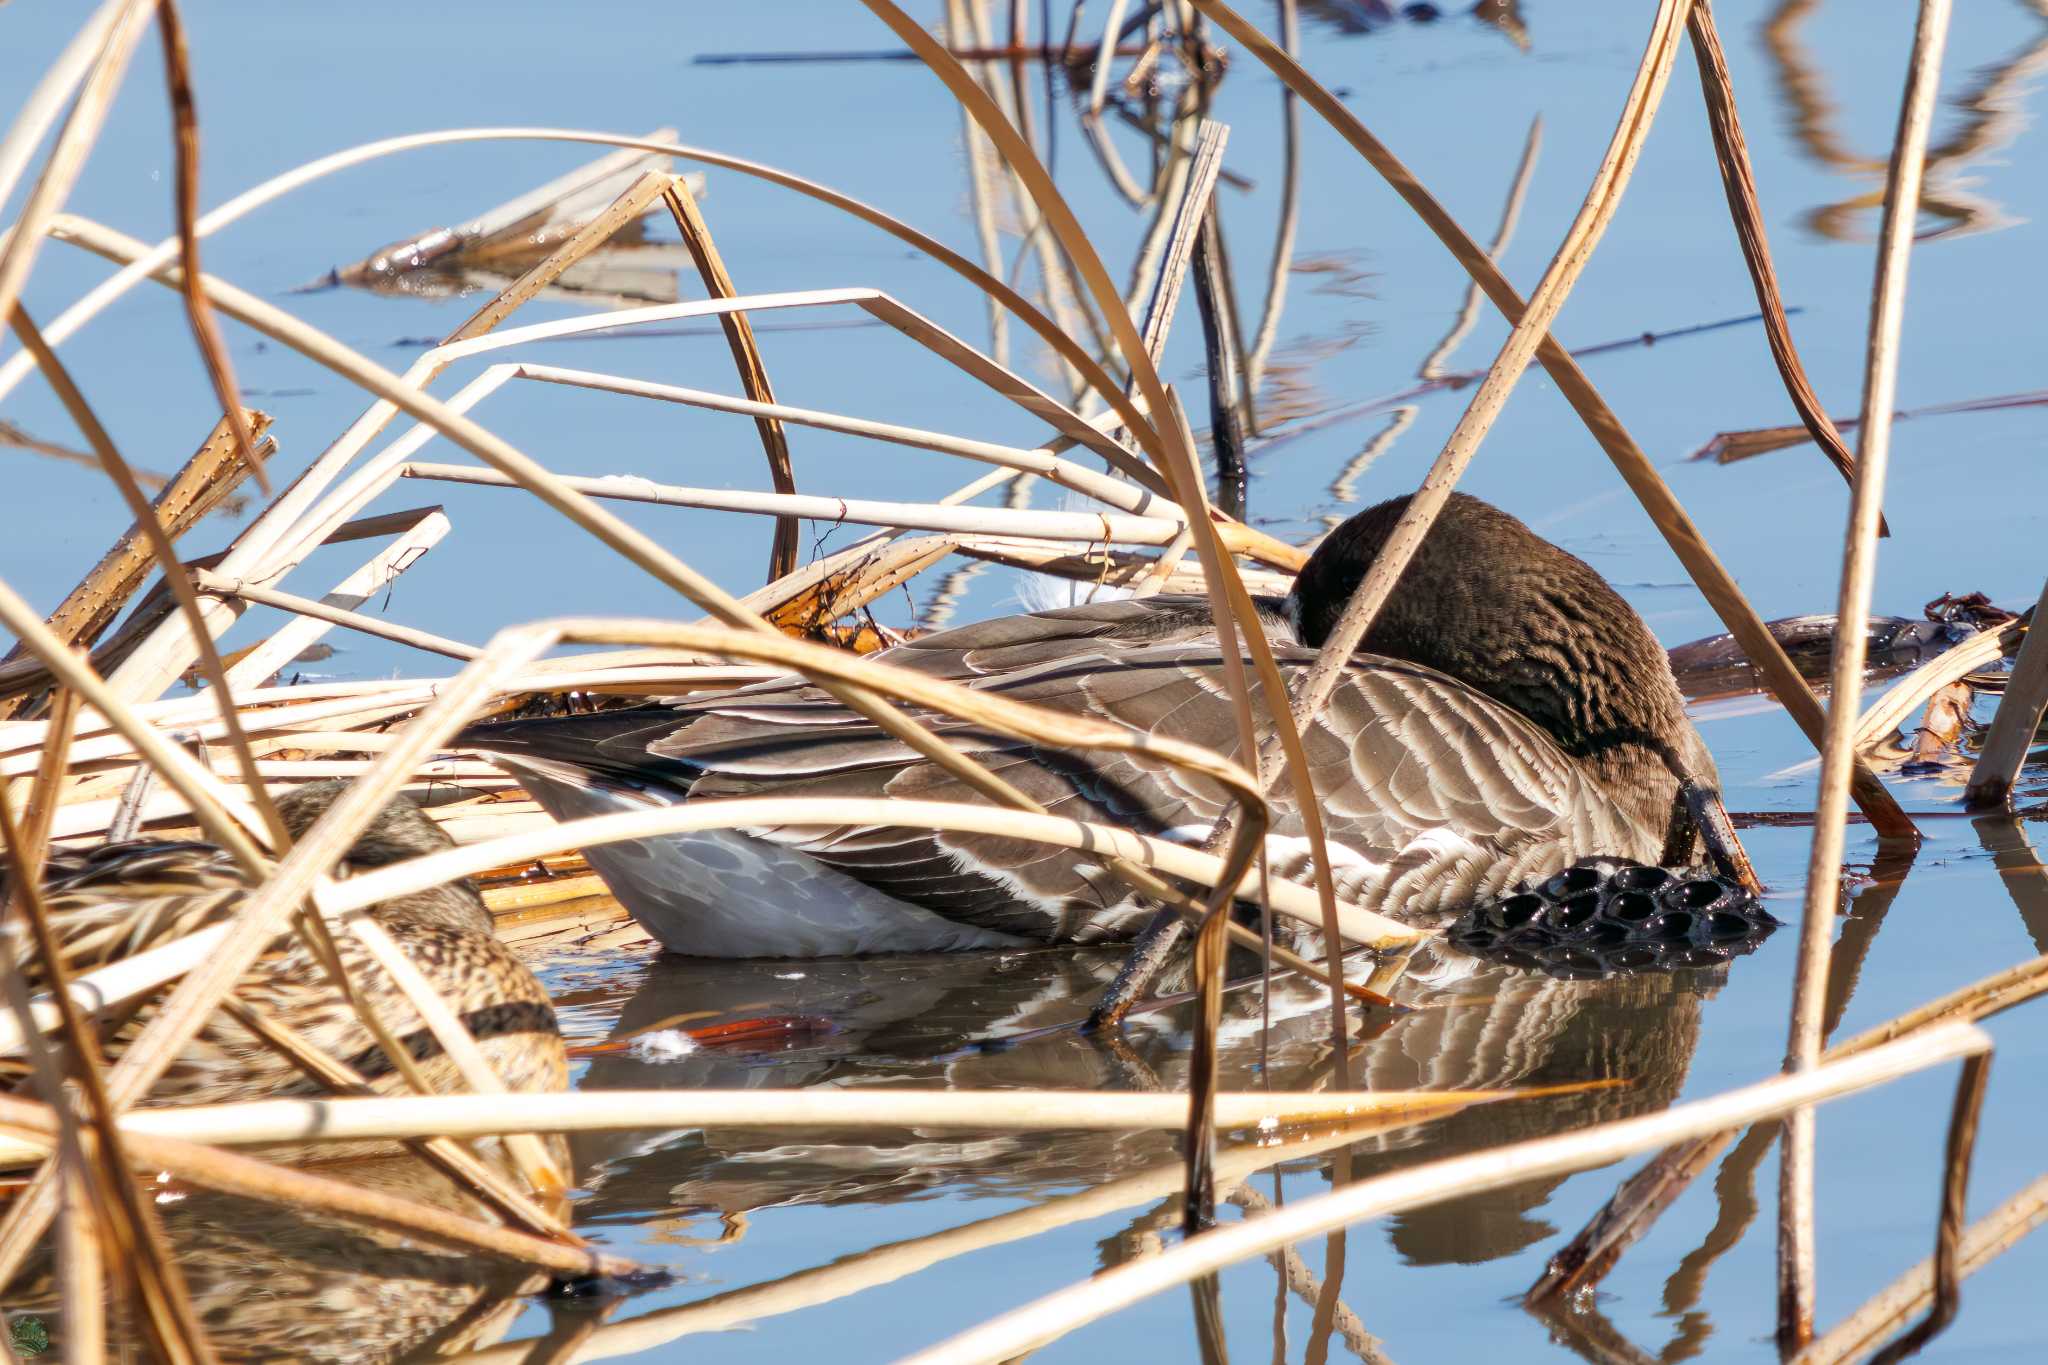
2018,719
401,1117
1838,749
24,240
1032,1325
1089,528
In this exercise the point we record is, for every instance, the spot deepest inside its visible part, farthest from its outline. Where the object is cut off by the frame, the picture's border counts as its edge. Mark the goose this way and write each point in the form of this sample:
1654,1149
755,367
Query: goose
128,895
1507,715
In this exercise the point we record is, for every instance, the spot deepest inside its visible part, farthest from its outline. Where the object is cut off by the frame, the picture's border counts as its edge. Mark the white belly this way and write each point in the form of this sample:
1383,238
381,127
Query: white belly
720,893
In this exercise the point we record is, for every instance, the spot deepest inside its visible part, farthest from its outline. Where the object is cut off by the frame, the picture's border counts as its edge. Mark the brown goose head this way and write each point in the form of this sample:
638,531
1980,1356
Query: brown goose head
1489,602
398,833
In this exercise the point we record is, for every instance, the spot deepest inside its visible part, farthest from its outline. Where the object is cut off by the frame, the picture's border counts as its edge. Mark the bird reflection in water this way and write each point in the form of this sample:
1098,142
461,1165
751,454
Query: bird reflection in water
272,1283
898,1021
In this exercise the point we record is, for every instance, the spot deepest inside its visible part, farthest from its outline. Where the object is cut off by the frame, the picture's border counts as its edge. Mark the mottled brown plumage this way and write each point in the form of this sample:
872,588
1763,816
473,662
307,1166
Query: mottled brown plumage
121,898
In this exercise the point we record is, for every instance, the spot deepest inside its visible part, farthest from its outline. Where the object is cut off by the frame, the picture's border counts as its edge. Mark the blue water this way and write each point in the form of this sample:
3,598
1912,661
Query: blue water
278,85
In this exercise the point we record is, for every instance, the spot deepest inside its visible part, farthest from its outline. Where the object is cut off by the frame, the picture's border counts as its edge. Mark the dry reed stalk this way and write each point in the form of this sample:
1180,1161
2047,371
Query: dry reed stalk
1838,749
210,665
746,354
80,1263
223,817
1731,152
1089,528
198,311
1707,573
44,797
1990,1237
1356,924
410,1117
1530,330
230,1173
1044,460
1906,695
877,304
39,111
99,1165
893,1261
1172,453
2019,717
629,205
634,545
219,585
24,239
427,528
1027,1327
1054,335
198,487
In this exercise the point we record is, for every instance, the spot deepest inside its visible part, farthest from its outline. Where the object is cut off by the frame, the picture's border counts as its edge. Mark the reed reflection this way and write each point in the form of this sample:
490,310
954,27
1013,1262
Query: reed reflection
1994,110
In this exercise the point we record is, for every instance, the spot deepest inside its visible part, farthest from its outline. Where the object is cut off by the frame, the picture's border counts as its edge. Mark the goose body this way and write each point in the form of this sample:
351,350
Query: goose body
1458,759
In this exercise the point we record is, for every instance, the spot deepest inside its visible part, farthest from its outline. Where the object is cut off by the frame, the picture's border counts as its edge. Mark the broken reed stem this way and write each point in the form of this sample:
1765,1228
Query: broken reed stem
1707,572
1048,1318
1638,112
1731,152
1838,748
1950,666
746,354
175,578
2017,721
182,501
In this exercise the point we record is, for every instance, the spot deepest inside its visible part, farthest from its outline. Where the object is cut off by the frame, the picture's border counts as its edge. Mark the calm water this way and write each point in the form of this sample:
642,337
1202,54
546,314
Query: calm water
1368,297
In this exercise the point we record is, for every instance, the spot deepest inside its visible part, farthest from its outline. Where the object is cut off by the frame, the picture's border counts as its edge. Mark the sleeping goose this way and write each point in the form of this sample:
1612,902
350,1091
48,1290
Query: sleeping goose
1508,714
